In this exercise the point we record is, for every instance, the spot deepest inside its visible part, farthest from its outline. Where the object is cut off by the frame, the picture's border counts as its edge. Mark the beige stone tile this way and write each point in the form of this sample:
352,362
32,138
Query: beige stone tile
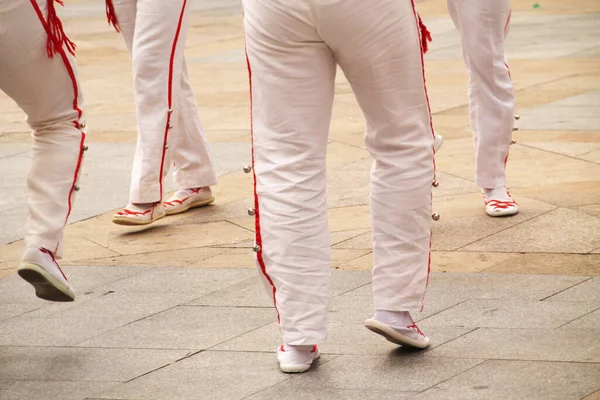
340,154
7,272
559,231
571,149
10,254
341,256
80,248
170,237
593,396
364,262
593,156
235,186
463,220
228,258
363,241
591,209
168,258
467,262
562,194
550,264
342,236
349,218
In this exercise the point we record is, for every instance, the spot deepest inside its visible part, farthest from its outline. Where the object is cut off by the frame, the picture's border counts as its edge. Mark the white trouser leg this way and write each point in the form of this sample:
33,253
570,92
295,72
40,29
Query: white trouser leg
483,25
155,34
49,93
385,70
292,87
192,158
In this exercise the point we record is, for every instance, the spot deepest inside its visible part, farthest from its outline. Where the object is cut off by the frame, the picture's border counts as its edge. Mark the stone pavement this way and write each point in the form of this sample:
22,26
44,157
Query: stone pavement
175,310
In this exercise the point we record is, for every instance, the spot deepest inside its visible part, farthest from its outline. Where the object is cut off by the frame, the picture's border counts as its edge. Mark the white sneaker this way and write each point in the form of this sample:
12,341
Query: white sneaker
184,199
39,267
501,208
438,141
295,361
409,336
134,215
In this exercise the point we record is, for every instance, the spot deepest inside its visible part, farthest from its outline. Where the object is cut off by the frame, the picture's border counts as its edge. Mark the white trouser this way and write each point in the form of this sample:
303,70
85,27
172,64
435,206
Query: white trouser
48,91
483,26
169,127
292,50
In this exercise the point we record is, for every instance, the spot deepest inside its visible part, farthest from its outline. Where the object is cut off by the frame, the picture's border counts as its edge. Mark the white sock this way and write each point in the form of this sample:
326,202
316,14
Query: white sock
300,349
398,319
139,207
499,193
187,192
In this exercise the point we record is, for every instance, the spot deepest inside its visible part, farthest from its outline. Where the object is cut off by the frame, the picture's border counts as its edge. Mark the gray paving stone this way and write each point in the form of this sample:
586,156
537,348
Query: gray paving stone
462,286
588,291
520,344
80,364
515,314
251,292
395,371
590,321
287,391
503,380
189,327
208,375
68,324
343,339
12,310
44,390
177,280
87,281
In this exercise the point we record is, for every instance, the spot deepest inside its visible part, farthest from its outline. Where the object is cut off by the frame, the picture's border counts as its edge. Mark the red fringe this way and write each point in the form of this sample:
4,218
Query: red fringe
425,36
112,16
56,34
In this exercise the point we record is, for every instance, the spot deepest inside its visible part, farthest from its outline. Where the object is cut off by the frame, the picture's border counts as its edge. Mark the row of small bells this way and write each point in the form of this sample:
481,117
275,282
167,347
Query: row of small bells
435,216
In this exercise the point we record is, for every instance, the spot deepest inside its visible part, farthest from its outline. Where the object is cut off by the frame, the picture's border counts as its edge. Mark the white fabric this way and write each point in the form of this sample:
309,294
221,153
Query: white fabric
483,26
45,91
150,28
293,48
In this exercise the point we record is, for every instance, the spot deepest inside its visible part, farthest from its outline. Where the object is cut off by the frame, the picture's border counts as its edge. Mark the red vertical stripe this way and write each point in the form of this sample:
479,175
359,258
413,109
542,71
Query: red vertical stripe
170,97
417,26
259,256
71,73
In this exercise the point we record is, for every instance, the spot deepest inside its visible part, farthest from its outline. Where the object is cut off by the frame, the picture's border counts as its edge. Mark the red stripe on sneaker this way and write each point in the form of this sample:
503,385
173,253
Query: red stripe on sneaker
60,50
417,26
259,257
170,98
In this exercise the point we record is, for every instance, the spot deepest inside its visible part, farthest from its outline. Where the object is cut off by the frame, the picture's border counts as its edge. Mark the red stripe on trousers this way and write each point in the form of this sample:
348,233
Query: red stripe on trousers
71,73
432,133
170,97
509,77
259,256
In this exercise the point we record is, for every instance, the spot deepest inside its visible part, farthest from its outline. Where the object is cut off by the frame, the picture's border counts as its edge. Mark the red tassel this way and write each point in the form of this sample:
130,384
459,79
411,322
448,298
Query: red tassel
425,36
56,34
112,16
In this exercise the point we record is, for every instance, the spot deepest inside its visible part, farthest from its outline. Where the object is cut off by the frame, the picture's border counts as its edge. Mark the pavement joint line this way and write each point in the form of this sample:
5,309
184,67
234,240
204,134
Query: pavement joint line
587,396
191,354
581,316
445,309
338,266
483,361
567,288
558,154
507,228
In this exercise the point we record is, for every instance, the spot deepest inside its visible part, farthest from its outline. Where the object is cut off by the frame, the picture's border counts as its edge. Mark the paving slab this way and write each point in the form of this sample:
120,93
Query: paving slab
524,344
208,375
44,390
185,327
586,291
82,365
497,379
515,314
395,371
288,391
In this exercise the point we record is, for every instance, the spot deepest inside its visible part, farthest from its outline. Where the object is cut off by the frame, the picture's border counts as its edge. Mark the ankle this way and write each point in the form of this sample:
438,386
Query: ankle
498,193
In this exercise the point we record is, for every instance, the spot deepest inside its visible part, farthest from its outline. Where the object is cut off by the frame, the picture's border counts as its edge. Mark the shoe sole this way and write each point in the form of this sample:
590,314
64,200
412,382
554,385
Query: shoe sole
193,205
503,213
46,287
393,336
295,369
134,222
